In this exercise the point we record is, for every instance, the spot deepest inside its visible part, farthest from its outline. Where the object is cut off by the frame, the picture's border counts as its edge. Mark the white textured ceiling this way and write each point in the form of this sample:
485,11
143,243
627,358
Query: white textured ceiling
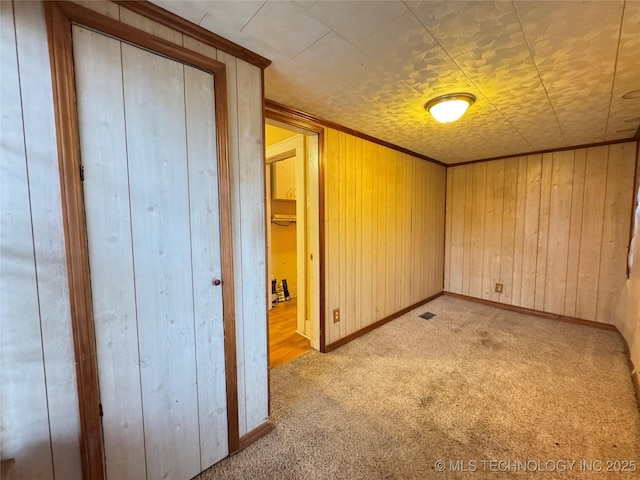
546,74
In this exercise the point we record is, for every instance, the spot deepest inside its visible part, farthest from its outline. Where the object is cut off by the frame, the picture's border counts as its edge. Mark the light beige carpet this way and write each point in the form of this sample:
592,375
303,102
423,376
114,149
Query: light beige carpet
478,388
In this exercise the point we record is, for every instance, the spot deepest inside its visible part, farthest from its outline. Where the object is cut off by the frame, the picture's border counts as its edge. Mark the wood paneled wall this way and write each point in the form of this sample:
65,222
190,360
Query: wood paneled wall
627,311
39,404
39,413
384,230
552,228
246,155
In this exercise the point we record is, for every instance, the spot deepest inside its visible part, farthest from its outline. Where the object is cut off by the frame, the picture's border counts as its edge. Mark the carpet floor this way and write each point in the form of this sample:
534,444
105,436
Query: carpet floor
474,392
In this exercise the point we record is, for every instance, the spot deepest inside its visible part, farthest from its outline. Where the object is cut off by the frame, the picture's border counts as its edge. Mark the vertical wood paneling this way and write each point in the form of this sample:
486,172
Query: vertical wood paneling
366,198
531,222
564,220
591,238
391,252
615,234
162,260
507,241
58,350
381,234
252,237
468,215
543,230
559,229
575,231
384,231
492,242
437,207
49,246
358,224
149,26
23,396
405,209
199,47
344,253
375,181
104,150
477,229
332,215
416,247
206,263
423,181
518,243
448,227
349,305
401,240
456,228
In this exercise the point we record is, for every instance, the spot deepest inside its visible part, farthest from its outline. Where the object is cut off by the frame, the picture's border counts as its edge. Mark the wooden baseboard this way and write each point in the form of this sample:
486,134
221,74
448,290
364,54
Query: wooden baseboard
635,374
255,434
635,378
373,326
537,313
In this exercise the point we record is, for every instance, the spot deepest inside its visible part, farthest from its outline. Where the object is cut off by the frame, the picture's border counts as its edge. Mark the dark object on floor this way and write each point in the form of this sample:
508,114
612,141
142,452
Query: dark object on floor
287,297
274,292
427,315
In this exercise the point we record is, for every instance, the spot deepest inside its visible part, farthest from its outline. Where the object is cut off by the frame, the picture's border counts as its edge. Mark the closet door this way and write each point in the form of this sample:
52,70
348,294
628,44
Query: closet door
148,147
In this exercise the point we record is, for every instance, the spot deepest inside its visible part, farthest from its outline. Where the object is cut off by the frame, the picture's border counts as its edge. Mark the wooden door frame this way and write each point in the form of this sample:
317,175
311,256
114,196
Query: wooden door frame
60,17
287,116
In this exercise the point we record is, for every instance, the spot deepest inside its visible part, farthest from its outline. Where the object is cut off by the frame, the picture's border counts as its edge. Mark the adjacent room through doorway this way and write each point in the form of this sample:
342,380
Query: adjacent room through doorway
292,239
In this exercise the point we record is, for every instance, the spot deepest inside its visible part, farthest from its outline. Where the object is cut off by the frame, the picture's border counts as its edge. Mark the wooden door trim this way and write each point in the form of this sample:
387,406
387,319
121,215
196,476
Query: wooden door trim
275,111
60,17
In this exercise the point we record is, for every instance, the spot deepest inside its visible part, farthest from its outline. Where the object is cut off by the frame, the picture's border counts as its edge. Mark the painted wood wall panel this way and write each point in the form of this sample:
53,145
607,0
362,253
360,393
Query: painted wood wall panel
104,154
40,140
162,259
53,338
43,350
615,232
565,216
206,264
591,236
384,231
23,396
543,231
575,231
507,241
251,240
559,229
246,155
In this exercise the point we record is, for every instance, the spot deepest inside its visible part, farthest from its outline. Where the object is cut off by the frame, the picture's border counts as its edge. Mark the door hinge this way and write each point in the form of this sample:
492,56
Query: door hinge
100,410
82,172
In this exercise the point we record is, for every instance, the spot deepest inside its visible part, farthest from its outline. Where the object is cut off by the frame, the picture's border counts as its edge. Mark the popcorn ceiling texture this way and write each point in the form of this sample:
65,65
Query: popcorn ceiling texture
472,383
546,74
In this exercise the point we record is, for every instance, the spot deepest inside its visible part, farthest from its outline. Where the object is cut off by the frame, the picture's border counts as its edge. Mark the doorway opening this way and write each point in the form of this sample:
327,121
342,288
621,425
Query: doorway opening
291,173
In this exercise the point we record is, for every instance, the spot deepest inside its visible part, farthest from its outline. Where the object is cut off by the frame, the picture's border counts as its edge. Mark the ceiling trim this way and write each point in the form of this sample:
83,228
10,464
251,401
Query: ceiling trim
168,19
550,150
309,120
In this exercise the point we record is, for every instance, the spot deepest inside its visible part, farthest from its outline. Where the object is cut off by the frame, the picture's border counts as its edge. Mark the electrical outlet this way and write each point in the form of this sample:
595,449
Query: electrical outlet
336,315
498,288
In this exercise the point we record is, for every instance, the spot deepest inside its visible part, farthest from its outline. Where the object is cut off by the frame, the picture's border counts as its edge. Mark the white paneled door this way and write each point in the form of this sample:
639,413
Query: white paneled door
148,146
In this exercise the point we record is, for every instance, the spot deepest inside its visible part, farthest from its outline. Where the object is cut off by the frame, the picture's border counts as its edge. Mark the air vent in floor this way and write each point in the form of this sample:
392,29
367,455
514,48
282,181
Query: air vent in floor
427,315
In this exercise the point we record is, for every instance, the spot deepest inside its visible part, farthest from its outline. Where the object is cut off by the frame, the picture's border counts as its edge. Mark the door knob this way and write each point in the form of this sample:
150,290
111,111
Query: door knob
216,281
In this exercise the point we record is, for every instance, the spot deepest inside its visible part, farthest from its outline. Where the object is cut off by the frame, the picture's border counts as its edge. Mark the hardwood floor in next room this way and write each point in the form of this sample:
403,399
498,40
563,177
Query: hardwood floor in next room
285,343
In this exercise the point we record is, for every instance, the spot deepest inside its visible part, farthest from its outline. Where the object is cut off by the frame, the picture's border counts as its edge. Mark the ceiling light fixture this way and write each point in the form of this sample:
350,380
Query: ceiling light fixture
449,108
